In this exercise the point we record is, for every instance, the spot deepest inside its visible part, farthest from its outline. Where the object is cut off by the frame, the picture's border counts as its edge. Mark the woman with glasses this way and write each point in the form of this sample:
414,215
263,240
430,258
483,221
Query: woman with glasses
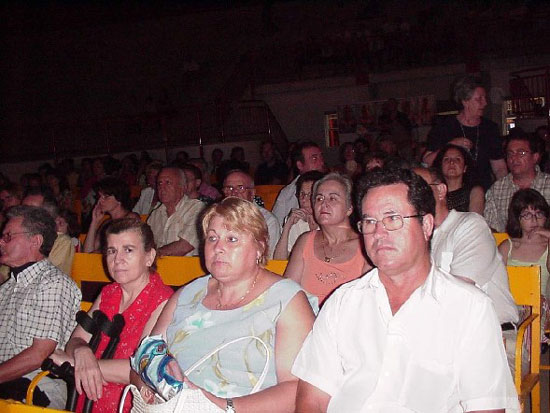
299,220
457,167
529,229
323,260
113,199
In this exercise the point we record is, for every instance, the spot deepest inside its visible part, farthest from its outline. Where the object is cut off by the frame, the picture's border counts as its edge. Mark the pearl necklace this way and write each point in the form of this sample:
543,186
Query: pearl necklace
219,306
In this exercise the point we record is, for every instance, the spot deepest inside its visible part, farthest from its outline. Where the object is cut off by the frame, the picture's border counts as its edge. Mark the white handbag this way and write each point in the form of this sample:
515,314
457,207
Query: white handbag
189,400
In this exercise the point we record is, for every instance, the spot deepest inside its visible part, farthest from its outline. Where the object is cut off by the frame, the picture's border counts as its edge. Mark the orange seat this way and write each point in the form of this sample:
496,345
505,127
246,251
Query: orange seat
174,271
269,194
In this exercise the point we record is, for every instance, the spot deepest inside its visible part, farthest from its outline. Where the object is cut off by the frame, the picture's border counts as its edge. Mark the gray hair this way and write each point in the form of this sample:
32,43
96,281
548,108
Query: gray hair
37,221
464,87
179,171
342,180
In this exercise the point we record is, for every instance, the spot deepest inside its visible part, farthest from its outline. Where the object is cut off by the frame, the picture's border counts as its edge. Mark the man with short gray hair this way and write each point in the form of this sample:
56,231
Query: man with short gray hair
38,304
174,218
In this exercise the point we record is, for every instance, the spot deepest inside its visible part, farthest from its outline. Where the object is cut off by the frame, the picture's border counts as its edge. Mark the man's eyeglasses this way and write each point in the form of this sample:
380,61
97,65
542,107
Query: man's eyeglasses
8,236
237,188
304,195
528,216
512,154
390,223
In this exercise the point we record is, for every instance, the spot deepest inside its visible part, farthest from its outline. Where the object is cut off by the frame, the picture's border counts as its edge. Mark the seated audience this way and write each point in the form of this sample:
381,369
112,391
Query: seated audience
406,336
272,170
457,167
387,145
205,189
323,260
139,294
59,187
529,228
113,199
149,196
193,176
306,156
128,169
300,219
373,160
67,223
463,245
239,298
522,156
10,195
174,218
62,251
348,164
241,185
38,305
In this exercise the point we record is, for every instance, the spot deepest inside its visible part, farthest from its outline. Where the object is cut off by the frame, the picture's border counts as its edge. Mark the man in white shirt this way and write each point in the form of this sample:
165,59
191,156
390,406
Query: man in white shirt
241,185
463,245
307,156
174,219
407,336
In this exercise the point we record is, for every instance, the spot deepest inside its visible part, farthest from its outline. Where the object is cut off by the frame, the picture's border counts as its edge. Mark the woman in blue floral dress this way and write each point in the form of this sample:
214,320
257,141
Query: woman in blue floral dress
240,298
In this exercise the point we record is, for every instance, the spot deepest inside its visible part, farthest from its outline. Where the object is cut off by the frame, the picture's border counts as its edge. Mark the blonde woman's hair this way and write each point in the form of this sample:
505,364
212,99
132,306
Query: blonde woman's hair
243,216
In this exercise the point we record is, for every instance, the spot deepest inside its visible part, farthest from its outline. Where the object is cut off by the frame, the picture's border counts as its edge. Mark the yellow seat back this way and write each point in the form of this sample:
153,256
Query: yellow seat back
277,266
11,406
174,271
269,194
500,236
525,288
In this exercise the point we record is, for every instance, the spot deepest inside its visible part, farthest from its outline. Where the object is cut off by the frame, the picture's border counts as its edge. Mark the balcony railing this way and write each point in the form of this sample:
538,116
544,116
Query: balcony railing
192,125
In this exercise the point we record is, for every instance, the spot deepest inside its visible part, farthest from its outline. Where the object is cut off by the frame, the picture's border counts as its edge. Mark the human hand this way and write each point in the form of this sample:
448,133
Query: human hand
97,214
87,374
174,370
310,219
543,233
295,215
462,141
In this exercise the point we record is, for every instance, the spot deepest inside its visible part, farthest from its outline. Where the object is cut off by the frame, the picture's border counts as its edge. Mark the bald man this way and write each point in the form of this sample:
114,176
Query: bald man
241,185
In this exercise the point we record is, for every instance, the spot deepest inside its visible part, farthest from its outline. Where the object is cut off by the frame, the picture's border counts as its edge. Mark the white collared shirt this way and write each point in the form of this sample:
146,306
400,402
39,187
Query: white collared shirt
286,200
463,245
441,352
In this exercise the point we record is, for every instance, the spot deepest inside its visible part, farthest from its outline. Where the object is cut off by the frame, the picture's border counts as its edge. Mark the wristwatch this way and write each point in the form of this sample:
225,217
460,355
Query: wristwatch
230,406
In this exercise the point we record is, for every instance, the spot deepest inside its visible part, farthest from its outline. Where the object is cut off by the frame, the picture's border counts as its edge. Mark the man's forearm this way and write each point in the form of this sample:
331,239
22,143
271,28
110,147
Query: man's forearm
28,360
177,248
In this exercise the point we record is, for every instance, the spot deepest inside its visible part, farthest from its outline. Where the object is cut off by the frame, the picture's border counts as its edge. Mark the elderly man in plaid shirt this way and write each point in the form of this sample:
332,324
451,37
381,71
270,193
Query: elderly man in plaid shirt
522,156
38,304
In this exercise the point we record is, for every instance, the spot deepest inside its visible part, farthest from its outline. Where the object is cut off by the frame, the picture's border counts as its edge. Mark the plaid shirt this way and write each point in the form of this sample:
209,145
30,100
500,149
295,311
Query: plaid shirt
41,303
498,197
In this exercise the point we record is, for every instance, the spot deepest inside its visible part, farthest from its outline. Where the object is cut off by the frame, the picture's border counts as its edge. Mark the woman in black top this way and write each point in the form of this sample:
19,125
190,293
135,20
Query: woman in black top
470,130
456,165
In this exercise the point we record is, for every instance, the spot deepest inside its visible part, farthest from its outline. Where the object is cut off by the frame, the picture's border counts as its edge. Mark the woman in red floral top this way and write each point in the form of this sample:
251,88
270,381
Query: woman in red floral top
139,294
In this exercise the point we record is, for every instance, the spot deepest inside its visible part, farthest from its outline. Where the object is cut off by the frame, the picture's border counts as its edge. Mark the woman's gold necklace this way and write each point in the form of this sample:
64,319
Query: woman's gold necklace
220,306
323,244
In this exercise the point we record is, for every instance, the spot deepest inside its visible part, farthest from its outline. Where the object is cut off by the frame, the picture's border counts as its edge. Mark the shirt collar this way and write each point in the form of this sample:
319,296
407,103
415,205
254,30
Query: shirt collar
427,289
29,273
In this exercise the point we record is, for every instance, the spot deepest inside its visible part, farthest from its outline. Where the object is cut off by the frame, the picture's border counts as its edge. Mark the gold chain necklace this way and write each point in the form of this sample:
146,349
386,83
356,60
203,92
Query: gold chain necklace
323,244
220,306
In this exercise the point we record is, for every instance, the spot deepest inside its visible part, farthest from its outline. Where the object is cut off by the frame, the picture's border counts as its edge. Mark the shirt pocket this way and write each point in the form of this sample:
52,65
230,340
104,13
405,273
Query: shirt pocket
427,387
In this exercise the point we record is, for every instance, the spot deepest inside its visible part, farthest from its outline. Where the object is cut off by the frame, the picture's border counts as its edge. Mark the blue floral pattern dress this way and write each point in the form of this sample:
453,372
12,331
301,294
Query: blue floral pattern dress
196,330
